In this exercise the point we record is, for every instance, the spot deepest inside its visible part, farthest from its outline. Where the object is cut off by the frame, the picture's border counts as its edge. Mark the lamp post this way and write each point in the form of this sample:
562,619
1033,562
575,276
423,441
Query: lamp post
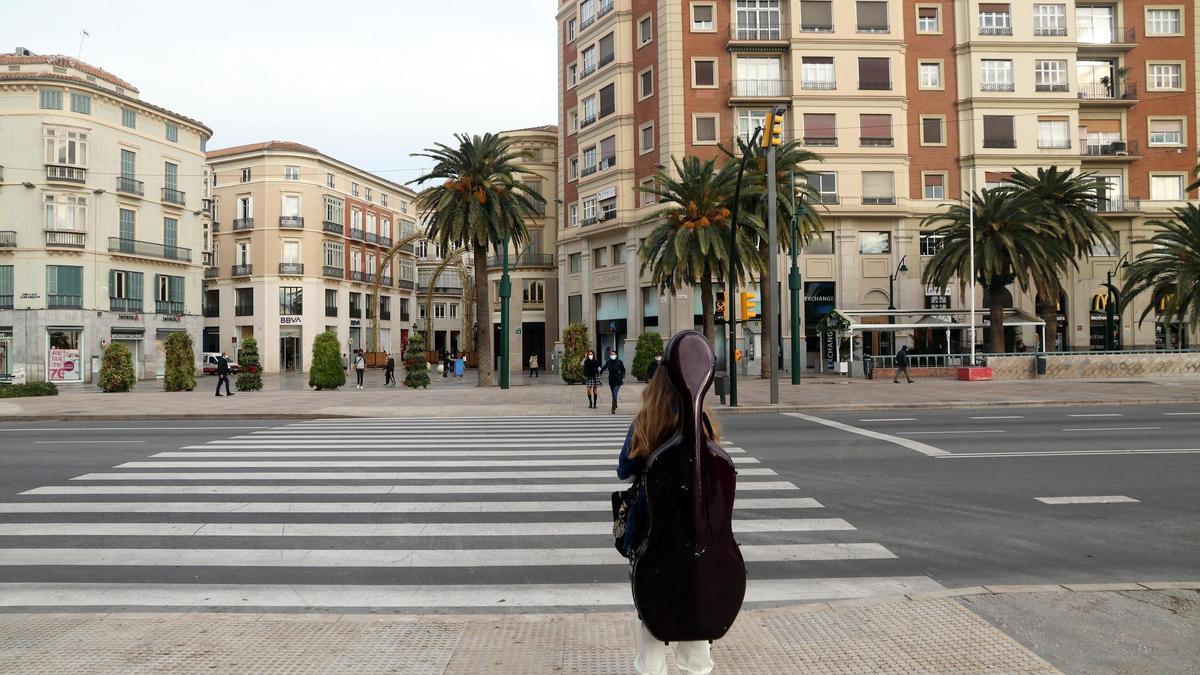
505,293
1112,342
900,269
794,282
732,281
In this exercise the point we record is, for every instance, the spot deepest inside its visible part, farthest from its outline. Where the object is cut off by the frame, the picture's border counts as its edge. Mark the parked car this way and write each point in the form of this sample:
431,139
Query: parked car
209,363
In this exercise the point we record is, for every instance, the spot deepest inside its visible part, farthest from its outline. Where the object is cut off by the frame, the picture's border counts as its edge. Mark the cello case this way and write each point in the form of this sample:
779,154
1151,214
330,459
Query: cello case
689,578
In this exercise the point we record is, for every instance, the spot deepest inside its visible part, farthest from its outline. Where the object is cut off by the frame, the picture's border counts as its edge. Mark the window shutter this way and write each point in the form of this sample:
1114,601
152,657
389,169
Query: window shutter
816,14
51,280
872,14
73,282
997,176
927,12
608,101
931,130
176,290
133,285
877,184
1102,126
875,126
1162,126
998,128
819,125
934,180
993,8
112,284
6,280
873,72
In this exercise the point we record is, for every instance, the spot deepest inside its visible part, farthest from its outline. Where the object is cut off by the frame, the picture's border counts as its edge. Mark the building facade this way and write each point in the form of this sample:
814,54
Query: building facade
298,240
908,103
104,207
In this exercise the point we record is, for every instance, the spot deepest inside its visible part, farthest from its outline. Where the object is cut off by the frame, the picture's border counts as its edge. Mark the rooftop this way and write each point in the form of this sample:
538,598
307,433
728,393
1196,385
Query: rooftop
61,61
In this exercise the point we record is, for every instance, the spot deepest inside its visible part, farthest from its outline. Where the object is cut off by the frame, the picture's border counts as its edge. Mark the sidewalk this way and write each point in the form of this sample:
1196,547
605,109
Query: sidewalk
288,396
936,632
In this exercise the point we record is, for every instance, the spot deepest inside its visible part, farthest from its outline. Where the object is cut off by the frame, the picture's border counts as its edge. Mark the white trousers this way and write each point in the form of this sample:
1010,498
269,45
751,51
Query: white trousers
691,657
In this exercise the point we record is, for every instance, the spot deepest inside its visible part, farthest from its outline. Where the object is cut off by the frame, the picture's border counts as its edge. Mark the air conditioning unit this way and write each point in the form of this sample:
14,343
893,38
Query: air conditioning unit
1119,148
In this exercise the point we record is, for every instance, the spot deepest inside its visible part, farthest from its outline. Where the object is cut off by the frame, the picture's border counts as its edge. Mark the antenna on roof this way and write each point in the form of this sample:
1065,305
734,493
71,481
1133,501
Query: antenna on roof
82,34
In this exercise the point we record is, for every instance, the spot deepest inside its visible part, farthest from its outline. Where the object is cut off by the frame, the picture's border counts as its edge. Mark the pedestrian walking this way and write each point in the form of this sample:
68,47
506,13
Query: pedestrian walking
902,365
360,367
533,365
653,367
460,365
447,363
655,423
616,376
591,376
223,373
389,372
345,363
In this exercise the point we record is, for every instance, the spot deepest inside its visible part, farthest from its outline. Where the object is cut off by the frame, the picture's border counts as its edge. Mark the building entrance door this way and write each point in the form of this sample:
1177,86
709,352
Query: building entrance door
289,353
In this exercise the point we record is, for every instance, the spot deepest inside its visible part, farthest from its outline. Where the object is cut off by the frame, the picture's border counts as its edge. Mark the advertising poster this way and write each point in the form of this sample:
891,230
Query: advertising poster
64,365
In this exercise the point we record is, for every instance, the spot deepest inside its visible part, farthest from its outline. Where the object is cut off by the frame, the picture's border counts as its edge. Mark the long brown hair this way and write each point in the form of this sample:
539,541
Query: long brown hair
658,417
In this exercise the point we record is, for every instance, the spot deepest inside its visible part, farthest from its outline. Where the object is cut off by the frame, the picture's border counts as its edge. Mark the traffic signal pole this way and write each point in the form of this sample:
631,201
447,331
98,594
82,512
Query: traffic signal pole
772,140
794,283
732,280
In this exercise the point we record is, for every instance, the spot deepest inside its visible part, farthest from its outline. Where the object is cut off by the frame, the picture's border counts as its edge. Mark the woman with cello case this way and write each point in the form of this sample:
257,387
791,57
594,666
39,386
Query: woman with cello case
675,523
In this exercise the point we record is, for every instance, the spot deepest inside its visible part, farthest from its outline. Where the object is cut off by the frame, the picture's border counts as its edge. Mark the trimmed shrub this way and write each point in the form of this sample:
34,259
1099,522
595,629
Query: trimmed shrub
249,376
29,389
116,370
648,344
416,370
575,346
180,373
326,371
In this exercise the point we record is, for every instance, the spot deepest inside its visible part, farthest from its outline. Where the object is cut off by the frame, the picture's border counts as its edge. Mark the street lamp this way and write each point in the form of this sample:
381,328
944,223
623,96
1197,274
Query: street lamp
732,280
794,281
1112,342
900,269
505,293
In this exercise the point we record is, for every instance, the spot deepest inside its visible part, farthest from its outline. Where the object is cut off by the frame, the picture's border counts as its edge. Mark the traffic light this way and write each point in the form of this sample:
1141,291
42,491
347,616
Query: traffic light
749,305
773,133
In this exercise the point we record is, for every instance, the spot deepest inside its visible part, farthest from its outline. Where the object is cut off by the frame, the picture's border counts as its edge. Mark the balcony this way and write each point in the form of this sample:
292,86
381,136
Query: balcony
65,239
332,227
368,277
385,315
291,222
587,121
815,27
386,281
243,309
877,142
57,301
588,69
149,249
385,241
524,259
331,311
1093,36
1054,143
819,85
355,312
758,88
1118,204
168,307
242,270
878,201
757,32
370,237
8,239
867,85
996,86
6,301
129,186
605,59
333,272
293,269
1054,87
212,272
999,143
356,275
211,311
827,198
587,170
124,304
995,30
871,28
356,234
1050,31
1108,91
820,141
66,174
208,206
407,284
1104,147
173,196
243,224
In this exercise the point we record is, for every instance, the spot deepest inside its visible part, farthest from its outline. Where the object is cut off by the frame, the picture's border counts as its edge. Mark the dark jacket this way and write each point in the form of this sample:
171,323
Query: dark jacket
391,365
222,365
902,358
637,515
651,369
616,372
591,367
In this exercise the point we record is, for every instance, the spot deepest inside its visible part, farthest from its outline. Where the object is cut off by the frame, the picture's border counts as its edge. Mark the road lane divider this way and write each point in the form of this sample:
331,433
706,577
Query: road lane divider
917,446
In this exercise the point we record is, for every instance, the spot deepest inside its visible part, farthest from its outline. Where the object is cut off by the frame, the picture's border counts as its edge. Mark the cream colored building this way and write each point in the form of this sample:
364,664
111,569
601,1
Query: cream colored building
105,202
298,239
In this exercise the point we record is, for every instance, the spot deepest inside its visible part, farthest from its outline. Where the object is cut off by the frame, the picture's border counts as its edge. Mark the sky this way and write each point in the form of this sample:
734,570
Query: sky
365,82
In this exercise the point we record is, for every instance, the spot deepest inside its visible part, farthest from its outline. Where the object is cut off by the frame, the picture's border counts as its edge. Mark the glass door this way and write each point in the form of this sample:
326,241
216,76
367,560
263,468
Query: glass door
289,353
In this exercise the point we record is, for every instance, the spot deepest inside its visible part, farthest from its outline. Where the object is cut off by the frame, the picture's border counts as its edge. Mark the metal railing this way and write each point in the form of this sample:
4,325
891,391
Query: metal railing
357,276
999,143
1050,31
756,32
168,307
1118,204
242,270
356,234
385,242
587,121
8,239
149,249
243,223
173,196
212,272
587,170
997,86
819,85
356,312
291,268
869,142
923,360
816,28
1052,86
1054,143
1108,91
827,198
124,304
370,237
524,259
386,281
130,186
291,221
406,284
868,28
385,315
823,141
330,226
211,311
874,86
368,277
1088,34
877,201
6,301
333,272
331,311
995,30
70,174
758,88
66,239
243,309
58,301
606,59
1095,147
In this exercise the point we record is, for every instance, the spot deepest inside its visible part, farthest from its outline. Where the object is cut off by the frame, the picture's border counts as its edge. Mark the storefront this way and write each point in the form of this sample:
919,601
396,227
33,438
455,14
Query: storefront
290,344
132,337
63,361
818,302
6,342
1098,323
611,322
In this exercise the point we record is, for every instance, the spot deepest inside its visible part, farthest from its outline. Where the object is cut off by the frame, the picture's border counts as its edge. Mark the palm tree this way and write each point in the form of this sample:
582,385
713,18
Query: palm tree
1011,244
479,202
689,244
1170,268
1067,204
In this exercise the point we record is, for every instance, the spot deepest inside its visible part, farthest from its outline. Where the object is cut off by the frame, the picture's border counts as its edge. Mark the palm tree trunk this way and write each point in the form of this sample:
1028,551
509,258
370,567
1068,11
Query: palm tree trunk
483,316
1050,316
996,319
766,308
706,301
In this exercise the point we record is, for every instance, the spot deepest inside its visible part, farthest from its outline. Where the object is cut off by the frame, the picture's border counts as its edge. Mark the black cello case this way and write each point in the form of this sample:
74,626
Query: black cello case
689,578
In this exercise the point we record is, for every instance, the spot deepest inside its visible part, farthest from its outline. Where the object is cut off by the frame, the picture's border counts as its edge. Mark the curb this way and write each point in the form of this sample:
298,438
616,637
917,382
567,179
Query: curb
1013,589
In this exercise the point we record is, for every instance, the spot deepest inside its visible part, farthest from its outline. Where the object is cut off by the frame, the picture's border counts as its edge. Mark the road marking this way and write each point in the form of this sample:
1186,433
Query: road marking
1110,428
606,452
368,507
997,417
1181,413
400,597
62,429
344,529
1114,499
402,558
369,475
955,432
889,419
1096,415
742,486
612,446
78,442
903,442
1069,453
384,463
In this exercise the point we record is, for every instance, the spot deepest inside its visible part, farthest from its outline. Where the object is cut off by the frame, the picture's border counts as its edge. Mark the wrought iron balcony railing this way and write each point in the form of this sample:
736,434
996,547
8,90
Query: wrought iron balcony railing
335,228
212,272
8,239
770,31
168,307
65,239
996,86
58,301
243,223
173,196
333,272
124,304
242,270
130,186
69,174
291,221
149,249
759,88
291,268
524,259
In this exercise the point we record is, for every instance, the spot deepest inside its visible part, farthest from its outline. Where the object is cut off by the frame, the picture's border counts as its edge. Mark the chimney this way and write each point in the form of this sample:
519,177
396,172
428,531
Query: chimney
21,51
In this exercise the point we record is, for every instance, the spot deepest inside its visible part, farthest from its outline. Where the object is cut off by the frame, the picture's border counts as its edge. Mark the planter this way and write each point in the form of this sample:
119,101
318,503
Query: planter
975,373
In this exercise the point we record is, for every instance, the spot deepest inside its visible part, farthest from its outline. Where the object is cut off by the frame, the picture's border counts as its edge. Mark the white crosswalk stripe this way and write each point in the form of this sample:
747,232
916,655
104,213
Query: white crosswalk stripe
394,513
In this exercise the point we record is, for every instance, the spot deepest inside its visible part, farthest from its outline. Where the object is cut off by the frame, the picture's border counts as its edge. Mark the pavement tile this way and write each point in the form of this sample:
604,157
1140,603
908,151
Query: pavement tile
1026,588
948,593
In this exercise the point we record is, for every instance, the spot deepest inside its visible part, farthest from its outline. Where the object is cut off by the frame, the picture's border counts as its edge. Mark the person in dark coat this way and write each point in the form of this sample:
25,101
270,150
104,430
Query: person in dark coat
653,367
591,376
616,376
389,372
447,364
902,365
223,373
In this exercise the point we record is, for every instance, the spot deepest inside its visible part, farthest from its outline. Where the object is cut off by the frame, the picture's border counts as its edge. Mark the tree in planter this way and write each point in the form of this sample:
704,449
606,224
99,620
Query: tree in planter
326,371
575,346
250,368
181,363
416,370
648,344
116,372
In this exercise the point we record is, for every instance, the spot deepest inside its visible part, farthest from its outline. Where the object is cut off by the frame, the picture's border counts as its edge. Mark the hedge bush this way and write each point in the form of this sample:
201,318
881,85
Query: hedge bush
29,389
326,371
180,372
648,344
249,376
116,370
416,370
575,347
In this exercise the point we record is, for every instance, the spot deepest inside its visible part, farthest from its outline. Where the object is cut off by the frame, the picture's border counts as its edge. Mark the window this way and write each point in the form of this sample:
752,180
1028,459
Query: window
454,310
933,186
1166,132
589,111
930,243
291,300
291,173
1162,21
608,152
645,30
420,310
571,29
1166,187
1166,75
1050,75
825,184
1050,19
6,287
874,73
66,147
588,56
606,47
589,161
820,245
422,249
170,235
704,129
246,175
170,176
64,286
874,243
748,121
878,187
67,212
128,167
334,210
129,118
172,132
933,130
930,74
704,18
648,197
290,251
816,72
618,254
587,13
354,189
51,99
367,194
929,19
646,84
335,255
573,215
243,302
589,210
575,263
81,103
608,100
243,253
646,137
125,290
875,131
820,129
998,131
872,16
599,258
572,75
816,16
329,181
126,225
245,207
356,260
996,75
994,19
704,73
169,296
331,302
573,168
1054,132
355,219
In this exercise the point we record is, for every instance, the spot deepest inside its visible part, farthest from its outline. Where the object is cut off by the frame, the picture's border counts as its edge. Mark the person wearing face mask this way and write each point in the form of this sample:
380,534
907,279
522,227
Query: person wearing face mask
658,358
616,376
591,376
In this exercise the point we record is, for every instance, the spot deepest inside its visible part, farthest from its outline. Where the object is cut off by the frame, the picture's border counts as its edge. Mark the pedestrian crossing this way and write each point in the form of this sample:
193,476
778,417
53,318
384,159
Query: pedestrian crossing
438,514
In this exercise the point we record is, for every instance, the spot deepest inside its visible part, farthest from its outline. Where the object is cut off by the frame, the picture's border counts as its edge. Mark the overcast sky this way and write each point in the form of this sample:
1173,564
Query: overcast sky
365,82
